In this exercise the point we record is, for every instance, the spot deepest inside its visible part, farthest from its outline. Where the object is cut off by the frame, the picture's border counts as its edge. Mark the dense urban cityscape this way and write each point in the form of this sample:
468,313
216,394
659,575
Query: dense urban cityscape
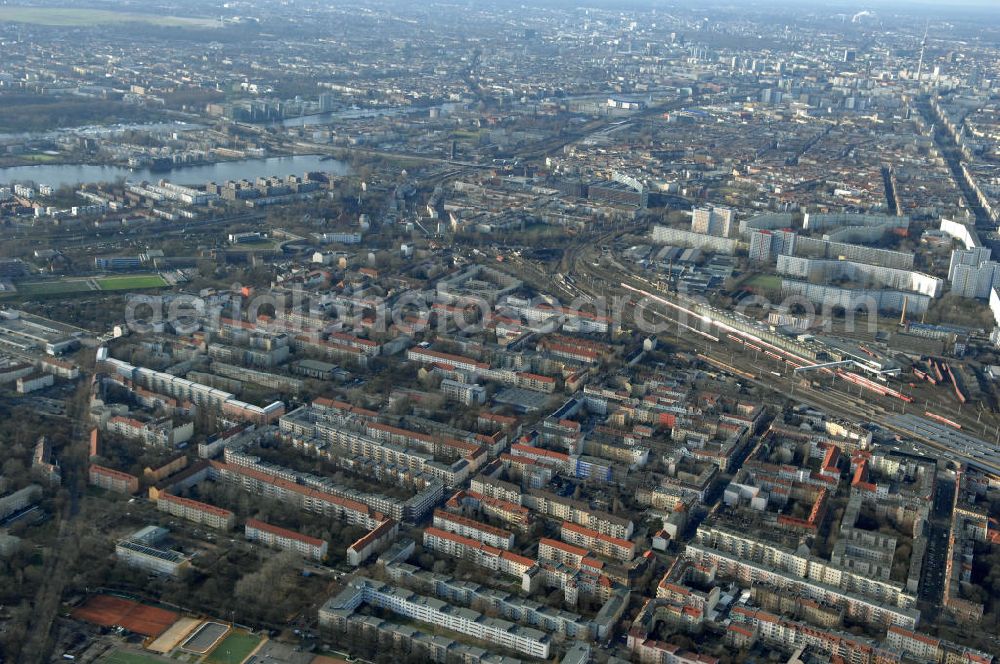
487,332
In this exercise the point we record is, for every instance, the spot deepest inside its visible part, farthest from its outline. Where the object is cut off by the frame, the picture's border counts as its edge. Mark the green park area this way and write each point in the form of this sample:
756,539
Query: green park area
767,282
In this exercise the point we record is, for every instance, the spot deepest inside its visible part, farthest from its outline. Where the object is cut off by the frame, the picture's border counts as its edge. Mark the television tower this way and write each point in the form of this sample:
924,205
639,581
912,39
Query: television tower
920,63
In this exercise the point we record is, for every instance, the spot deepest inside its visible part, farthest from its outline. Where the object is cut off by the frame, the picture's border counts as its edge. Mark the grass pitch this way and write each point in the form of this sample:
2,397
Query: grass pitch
234,649
131,282
59,287
56,287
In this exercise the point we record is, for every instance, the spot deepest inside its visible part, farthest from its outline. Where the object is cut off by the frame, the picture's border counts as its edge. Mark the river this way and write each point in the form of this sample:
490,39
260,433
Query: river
73,175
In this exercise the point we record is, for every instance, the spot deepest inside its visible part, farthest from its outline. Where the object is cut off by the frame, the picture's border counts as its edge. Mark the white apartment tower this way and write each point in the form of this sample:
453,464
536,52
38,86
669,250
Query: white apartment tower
718,221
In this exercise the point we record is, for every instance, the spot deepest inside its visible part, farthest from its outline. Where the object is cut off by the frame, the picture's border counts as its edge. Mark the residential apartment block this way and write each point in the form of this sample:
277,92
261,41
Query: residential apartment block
18,500
287,540
113,480
605,545
483,555
198,512
526,640
718,221
466,527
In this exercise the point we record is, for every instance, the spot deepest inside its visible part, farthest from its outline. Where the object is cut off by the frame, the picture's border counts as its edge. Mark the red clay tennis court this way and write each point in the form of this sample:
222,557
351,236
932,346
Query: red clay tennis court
109,611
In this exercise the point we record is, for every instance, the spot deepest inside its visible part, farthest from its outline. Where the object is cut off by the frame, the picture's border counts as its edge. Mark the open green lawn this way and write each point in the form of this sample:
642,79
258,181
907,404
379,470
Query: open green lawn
55,287
58,16
131,282
124,657
234,649
58,287
764,282
263,245
39,158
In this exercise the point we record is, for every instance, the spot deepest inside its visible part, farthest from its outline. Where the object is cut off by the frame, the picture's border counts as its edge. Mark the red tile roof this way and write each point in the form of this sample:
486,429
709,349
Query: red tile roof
283,532
194,504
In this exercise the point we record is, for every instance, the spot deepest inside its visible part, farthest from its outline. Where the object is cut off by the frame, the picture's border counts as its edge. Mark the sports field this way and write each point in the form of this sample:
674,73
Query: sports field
234,649
130,282
54,287
111,611
58,16
206,637
125,657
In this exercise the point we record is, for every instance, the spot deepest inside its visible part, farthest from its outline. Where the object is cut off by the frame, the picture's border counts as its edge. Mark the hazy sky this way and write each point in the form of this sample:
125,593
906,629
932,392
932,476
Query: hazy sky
831,5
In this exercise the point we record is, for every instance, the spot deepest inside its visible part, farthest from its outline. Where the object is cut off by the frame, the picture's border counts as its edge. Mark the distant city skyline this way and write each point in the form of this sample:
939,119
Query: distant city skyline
589,332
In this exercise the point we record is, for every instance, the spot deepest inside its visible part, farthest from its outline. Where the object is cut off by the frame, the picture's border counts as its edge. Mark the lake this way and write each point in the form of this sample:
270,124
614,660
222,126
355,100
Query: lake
74,175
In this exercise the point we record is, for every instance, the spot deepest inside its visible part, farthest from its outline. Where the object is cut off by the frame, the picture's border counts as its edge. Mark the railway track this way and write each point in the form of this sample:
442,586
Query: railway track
769,373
